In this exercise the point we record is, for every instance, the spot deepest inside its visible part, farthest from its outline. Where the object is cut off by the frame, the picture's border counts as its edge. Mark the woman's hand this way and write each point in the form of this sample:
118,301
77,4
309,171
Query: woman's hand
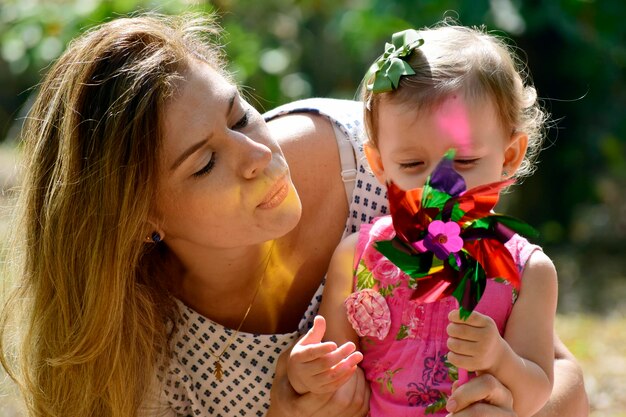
350,400
482,396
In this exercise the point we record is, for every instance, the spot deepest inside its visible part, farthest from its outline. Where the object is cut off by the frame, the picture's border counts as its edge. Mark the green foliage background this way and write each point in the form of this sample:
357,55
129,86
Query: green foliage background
282,50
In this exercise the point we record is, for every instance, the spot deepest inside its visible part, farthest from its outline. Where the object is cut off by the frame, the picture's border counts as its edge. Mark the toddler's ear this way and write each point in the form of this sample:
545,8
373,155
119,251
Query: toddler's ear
375,162
514,153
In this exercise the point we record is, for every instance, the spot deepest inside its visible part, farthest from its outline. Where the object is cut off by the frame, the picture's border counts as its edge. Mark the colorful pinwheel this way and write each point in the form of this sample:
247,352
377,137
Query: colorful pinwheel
449,238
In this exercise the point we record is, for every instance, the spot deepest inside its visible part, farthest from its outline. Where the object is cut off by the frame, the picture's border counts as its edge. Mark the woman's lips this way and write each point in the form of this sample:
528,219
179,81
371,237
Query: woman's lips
276,195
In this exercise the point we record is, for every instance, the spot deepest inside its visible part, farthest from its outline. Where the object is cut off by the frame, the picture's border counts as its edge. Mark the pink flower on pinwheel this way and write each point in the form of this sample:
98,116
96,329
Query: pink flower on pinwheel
386,272
368,313
443,238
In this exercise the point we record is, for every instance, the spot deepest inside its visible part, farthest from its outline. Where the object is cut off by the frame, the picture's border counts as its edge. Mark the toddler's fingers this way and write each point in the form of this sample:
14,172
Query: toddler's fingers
484,388
325,374
461,347
332,359
462,331
344,353
475,319
338,380
310,353
349,361
316,333
338,374
455,385
462,361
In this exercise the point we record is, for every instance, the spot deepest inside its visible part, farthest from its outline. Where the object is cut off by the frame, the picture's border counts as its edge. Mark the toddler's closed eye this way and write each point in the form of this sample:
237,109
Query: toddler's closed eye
411,164
466,162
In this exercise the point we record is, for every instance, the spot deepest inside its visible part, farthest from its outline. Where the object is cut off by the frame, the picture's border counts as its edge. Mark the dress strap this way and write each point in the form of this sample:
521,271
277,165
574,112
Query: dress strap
348,160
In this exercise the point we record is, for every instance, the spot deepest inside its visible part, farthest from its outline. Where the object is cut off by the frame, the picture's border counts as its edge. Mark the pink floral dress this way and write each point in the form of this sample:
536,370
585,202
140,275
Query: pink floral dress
404,340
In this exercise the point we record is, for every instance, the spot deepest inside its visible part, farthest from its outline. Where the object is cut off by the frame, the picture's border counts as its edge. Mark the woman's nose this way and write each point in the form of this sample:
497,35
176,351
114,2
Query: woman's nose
254,158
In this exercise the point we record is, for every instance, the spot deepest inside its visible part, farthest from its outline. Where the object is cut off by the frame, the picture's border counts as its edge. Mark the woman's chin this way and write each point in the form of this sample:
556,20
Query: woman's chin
289,212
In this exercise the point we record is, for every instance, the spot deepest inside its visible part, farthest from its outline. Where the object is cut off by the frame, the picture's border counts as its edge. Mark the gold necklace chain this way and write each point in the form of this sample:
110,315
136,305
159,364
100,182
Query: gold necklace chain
218,358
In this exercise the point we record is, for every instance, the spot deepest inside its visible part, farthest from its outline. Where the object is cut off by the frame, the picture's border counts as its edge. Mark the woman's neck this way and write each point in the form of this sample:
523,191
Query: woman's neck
223,285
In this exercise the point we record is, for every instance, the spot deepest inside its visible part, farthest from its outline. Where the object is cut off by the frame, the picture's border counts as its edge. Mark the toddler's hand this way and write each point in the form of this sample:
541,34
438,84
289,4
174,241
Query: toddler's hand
320,367
474,344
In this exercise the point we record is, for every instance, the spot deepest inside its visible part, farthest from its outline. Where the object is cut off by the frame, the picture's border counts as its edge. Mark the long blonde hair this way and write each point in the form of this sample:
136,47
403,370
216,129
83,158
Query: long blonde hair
91,304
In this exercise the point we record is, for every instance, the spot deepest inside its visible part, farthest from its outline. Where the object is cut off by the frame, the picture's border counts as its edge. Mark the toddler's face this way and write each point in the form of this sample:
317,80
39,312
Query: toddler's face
410,144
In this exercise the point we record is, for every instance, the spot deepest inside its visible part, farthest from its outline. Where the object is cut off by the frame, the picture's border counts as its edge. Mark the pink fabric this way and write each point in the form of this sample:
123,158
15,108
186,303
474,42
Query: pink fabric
406,366
368,313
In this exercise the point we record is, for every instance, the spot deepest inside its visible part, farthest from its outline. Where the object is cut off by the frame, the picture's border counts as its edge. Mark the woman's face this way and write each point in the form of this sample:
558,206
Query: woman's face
223,181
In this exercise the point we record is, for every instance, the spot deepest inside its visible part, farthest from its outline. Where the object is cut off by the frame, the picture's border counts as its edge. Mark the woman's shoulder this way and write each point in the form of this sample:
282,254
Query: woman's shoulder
340,110
308,124
308,142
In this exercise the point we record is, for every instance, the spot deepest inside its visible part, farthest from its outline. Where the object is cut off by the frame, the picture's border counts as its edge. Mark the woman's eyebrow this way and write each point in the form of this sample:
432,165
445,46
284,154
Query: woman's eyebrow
193,148
190,151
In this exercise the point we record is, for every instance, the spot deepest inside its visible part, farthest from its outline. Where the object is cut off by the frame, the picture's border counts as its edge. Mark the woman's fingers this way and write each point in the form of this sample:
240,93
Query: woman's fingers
352,398
484,410
484,396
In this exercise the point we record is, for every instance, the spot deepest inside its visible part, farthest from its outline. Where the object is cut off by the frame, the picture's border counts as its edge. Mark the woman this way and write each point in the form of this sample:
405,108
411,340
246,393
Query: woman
165,260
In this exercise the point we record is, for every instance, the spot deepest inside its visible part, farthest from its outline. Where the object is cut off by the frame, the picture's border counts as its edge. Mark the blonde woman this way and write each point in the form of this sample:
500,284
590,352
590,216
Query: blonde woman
164,260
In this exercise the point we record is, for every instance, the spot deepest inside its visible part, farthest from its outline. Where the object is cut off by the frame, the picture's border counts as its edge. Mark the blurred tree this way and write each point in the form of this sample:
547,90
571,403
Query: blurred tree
35,32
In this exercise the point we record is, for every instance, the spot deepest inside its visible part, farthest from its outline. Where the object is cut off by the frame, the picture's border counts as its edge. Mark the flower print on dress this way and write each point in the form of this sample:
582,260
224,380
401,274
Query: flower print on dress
377,369
435,369
421,395
388,276
386,380
400,295
364,277
382,374
413,317
371,258
424,394
368,313
386,272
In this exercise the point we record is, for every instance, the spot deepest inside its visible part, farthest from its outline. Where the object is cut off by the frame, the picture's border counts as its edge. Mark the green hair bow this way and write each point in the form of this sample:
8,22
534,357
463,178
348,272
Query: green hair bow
390,66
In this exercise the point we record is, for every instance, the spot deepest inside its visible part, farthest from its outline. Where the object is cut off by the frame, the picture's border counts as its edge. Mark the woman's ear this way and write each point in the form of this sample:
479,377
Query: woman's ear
375,162
152,232
514,153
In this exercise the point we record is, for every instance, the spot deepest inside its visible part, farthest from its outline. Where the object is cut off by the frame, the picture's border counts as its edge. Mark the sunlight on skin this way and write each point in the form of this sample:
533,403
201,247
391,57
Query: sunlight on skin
452,119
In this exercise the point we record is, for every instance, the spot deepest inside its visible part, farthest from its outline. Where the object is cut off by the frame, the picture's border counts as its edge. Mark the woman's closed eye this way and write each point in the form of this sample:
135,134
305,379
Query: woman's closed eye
240,124
243,122
207,168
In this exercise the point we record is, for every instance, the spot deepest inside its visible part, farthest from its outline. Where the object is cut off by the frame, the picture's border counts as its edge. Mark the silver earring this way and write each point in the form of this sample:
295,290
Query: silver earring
505,173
